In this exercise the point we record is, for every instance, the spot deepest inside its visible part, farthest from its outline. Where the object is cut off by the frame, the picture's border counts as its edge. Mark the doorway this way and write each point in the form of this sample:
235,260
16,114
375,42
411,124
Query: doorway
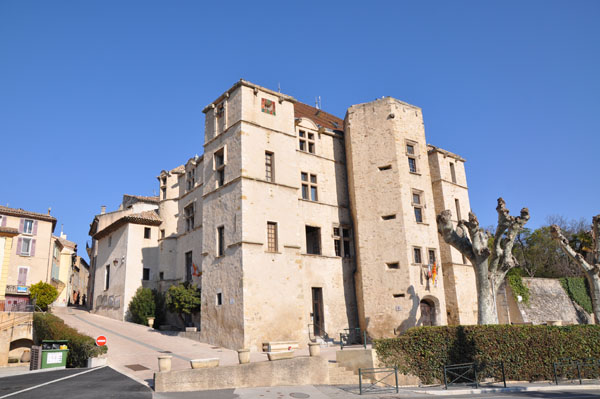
317,302
427,313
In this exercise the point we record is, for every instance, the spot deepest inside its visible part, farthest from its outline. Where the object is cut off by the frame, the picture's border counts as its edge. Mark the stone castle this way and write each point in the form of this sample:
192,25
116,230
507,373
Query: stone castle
296,225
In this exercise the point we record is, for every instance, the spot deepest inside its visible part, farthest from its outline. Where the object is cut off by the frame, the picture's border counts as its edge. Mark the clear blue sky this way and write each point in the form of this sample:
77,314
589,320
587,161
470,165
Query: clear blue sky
97,97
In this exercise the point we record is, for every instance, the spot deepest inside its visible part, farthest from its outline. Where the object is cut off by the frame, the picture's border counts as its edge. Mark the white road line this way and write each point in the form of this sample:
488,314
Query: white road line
51,382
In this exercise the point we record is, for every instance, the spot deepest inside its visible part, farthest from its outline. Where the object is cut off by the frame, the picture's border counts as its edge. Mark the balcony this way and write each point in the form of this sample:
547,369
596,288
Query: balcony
17,290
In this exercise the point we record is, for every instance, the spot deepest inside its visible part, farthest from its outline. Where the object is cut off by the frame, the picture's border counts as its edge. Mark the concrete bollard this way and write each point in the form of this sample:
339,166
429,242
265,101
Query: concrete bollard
164,363
243,356
314,348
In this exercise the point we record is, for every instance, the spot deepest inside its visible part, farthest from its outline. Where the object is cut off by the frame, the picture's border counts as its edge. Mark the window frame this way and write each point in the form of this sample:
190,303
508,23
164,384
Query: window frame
219,163
146,274
410,148
189,216
452,173
269,166
147,233
431,251
306,141
318,242
220,241
309,186
27,222
419,261
418,206
272,237
342,243
107,277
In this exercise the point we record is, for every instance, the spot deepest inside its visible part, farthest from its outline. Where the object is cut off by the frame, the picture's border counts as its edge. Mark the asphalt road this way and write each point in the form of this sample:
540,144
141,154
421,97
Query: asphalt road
73,383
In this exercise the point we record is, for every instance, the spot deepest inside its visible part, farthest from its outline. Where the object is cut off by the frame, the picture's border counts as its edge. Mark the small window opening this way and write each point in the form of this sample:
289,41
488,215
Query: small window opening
313,240
388,217
386,167
399,295
393,265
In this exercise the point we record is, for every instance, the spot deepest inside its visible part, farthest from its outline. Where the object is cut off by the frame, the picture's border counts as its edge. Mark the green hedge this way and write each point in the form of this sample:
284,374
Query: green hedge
49,327
527,351
579,292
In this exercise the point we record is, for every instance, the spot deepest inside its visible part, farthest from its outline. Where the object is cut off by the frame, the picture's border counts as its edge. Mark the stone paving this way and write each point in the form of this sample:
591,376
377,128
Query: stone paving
133,344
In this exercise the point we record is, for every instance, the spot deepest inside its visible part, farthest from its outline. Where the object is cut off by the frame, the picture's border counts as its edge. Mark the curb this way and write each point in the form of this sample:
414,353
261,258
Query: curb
509,389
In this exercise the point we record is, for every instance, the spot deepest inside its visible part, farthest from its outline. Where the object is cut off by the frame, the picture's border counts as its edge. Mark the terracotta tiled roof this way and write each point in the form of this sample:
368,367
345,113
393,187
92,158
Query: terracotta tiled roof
4,210
319,117
65,243
149,218
8,231
153,199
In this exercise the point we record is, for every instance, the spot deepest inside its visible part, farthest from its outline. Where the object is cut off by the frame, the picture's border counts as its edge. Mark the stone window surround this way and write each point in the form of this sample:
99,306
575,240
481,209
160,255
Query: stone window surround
408,144
418,205
343,241
308,182
219,164
306,141
414,253
272,237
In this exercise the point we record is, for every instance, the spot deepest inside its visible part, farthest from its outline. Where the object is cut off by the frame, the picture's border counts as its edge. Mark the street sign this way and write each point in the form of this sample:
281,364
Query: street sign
101,340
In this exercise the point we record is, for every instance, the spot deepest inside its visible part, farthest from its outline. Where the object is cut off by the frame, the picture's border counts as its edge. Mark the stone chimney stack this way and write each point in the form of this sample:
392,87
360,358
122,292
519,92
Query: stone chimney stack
103,209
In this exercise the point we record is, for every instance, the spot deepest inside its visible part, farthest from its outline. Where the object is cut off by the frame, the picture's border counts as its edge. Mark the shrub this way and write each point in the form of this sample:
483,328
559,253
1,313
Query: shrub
44,294
578,290
527,351
515,281
49,327
142,306
183,299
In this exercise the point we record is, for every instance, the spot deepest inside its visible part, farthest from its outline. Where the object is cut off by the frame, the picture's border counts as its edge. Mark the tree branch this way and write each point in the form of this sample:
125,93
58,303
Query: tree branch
596,239
457,238
564,244
504,240
479,237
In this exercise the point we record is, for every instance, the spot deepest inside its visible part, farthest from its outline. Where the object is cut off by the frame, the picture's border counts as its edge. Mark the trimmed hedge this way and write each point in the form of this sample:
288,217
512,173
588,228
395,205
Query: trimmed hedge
49,327
527,351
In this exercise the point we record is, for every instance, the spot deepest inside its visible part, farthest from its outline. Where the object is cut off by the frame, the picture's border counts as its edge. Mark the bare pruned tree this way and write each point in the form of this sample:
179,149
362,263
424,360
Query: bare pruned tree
491,265
591,268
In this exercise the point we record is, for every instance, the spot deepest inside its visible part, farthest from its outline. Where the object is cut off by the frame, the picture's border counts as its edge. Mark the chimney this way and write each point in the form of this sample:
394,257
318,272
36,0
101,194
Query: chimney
103,209
49,209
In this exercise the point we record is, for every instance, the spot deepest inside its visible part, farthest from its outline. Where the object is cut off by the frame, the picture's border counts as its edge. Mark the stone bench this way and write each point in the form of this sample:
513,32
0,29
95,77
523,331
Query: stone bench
279,346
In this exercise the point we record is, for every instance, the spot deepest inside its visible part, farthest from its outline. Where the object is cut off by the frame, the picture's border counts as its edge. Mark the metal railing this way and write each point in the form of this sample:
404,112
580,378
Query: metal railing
571,368
353,336
378,380
17,290
471,373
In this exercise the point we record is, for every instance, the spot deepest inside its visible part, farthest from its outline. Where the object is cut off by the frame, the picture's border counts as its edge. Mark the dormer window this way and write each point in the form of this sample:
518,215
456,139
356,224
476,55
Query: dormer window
306,141
220,110
191,178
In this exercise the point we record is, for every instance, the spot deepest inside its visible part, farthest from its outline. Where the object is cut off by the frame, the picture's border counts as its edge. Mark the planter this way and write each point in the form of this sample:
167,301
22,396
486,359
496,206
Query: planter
164,363
244,356
314,348
97,361
280,355
204,363
150,322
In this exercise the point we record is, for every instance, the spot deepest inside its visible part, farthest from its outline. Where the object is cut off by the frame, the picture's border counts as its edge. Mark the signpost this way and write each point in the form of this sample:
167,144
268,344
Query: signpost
101,340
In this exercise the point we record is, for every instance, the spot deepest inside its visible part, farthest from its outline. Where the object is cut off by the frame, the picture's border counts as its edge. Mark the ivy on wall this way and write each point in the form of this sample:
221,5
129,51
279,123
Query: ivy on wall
515,281
578,290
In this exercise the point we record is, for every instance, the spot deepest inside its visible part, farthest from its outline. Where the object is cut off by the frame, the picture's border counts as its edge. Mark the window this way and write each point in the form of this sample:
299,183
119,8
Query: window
163,187
146,274
271,236
191,178
386,167
309,187
26,246
219,299
457,206
107,277
188,266
147,232
219,159
417,206
393,265
313,240
220,110
388,217
161,275
412,160
27,226
398,295
109,241
452,172
431,256
22,278
269,167
188,214
306,141
220,240
417,255
162,233
341,242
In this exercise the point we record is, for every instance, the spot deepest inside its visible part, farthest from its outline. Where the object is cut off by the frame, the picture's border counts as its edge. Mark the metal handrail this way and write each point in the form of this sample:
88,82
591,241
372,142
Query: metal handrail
373,385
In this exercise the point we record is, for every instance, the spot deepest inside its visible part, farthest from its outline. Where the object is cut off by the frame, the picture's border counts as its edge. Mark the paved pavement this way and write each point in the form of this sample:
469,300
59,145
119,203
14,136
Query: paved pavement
131,344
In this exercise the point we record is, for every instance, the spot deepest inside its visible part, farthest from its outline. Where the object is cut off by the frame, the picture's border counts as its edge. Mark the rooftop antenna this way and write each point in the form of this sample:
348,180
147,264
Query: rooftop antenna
61,229
279,87
318,102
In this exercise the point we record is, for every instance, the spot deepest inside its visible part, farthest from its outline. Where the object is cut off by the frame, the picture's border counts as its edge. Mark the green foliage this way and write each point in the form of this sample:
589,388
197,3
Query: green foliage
142,306
183,299
49,327
527,351
515,281
578,290
44,294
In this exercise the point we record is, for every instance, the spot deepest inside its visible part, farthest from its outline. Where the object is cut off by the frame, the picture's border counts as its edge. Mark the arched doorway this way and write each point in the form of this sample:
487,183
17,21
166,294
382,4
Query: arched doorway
427,313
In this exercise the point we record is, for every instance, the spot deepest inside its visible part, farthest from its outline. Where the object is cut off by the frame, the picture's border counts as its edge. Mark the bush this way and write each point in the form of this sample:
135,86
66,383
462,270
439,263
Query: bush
527,351
49,327
515,281
578,290
44,294
142,306
183,299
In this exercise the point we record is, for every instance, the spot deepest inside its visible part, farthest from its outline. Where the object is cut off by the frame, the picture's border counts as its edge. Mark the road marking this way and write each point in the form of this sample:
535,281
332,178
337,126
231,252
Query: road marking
130,339
51,382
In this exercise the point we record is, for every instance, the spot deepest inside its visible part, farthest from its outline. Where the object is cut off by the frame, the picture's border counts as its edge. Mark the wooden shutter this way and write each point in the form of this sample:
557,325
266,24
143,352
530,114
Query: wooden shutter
35,227
22,276
19,244
32,249
21,225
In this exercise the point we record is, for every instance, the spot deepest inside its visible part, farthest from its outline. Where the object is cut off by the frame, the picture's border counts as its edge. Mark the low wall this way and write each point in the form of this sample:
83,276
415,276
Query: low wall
354,359
296,371
14,326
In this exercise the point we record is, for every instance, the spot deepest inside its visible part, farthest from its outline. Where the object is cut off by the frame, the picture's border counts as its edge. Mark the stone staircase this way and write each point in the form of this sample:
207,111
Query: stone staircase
339,375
